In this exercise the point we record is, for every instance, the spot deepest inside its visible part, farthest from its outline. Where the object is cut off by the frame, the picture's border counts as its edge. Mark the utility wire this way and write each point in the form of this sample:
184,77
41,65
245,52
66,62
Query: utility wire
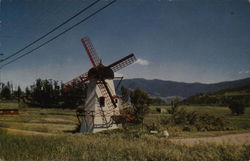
66,21
70,28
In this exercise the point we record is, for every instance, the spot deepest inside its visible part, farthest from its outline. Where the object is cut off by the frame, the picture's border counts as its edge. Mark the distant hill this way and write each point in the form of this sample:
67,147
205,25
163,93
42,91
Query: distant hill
168,89
222,97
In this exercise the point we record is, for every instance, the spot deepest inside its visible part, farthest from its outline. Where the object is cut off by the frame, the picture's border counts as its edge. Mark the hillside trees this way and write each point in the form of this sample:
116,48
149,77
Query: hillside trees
222,97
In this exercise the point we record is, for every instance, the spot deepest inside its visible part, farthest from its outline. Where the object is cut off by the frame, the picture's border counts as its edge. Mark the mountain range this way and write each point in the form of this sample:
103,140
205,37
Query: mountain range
167,89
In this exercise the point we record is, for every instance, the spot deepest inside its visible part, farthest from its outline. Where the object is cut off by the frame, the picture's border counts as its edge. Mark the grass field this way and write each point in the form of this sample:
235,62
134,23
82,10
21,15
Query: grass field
237,124
46,134
61,121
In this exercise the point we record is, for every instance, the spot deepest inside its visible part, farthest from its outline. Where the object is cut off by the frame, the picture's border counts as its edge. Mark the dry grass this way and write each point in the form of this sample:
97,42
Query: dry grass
234,139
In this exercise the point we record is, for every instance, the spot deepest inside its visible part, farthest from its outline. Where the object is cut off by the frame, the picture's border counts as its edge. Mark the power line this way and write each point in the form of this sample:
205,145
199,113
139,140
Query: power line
66,21
70,28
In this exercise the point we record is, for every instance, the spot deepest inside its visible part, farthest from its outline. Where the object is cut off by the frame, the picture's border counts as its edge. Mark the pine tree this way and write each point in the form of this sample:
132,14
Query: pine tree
6,93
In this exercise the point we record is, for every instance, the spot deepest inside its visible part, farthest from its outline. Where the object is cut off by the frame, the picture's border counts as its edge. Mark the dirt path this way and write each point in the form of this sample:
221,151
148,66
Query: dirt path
25,132
236,139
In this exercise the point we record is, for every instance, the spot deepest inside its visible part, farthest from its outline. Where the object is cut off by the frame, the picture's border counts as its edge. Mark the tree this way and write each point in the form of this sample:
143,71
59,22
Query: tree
50,93
140,101
174,105
27,95
6,93
125,94
74,97
17,94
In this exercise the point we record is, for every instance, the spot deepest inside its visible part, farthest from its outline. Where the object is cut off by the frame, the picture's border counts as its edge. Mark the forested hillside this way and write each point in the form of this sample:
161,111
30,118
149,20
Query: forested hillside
222,97
164,89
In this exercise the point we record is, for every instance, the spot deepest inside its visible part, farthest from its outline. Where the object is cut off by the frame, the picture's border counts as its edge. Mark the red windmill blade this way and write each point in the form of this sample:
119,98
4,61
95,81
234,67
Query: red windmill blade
95,60
107,94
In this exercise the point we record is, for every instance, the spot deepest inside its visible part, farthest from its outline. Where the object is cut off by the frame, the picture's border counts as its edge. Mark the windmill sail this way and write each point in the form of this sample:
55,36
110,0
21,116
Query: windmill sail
95,60
122,63
76,81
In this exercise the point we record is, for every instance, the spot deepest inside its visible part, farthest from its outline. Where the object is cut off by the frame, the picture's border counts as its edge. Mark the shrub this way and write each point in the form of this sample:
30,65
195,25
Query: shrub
158,109
174,106
152,127
201,122
236,107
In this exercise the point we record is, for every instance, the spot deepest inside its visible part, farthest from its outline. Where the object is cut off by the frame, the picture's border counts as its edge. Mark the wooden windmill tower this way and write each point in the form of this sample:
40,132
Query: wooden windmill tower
101,103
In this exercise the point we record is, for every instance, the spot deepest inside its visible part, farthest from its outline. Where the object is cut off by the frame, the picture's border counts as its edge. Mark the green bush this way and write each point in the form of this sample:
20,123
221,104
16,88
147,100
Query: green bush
174,106
201,122
236,107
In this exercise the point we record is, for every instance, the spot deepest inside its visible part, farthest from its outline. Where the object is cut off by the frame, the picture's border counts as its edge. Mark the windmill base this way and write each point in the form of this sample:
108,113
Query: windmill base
92,124
114,126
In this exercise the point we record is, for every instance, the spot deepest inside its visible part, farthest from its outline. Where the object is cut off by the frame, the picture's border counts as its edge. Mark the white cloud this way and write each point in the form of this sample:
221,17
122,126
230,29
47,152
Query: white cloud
142,62
244,72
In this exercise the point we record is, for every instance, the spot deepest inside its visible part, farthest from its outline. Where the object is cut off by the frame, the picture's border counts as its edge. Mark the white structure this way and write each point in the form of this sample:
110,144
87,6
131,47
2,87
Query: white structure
99,109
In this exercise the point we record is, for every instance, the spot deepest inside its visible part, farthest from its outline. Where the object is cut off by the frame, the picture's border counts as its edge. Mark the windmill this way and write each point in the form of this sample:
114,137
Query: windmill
101,103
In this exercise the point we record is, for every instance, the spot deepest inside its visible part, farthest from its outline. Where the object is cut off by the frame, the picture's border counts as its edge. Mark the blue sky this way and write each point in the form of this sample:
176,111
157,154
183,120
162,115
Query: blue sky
180,40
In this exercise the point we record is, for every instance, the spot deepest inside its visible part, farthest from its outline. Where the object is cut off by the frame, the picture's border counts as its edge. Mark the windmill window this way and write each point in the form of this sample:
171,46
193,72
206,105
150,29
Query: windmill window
116,100
102,101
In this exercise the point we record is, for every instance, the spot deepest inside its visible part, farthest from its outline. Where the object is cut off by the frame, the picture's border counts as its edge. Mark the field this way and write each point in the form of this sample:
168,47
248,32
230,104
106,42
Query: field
47,134
238,124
